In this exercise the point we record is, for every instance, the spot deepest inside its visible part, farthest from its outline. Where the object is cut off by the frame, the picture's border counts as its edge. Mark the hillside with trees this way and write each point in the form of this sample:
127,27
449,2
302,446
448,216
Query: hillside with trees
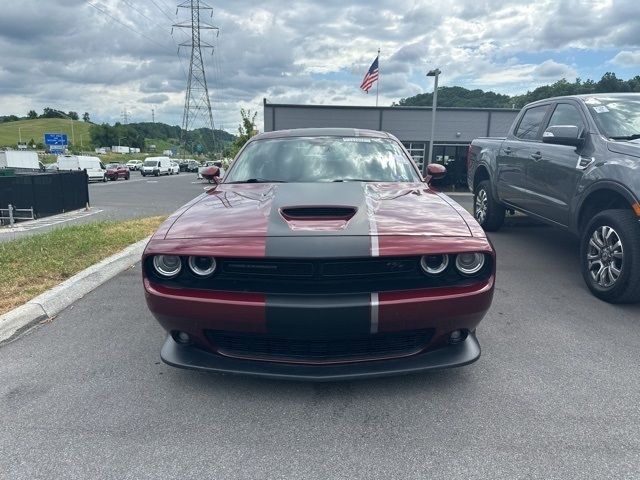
32,127
462,97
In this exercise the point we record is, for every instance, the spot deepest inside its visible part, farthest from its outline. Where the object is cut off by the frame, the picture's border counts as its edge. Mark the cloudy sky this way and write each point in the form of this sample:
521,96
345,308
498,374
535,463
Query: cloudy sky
103,56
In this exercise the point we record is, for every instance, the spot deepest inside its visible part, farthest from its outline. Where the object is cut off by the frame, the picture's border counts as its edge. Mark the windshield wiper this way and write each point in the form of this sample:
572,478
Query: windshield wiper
258,180
352,180
635,136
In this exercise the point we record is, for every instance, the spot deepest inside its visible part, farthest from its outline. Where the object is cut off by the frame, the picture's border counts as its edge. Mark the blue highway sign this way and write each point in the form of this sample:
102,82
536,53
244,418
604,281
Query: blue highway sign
55,139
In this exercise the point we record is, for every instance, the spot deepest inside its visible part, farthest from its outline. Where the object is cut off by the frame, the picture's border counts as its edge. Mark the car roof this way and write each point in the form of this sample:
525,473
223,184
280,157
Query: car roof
321,132
582,96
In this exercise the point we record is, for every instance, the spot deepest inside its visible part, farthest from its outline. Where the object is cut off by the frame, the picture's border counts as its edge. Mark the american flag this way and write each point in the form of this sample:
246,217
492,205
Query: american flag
371,77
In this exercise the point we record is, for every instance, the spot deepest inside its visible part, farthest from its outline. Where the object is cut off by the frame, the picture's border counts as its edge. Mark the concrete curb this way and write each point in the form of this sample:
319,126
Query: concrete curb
53,301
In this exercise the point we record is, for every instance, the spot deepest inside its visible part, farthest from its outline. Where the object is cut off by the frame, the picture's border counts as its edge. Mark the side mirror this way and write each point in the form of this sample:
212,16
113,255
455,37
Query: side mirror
563,135
435,171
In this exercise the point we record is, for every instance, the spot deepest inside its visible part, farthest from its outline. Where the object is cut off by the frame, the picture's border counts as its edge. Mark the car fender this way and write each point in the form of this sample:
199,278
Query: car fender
585,191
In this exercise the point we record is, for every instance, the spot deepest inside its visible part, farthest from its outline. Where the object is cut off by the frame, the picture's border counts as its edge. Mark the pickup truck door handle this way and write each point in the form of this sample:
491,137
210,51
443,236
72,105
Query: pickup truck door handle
507,151
536,156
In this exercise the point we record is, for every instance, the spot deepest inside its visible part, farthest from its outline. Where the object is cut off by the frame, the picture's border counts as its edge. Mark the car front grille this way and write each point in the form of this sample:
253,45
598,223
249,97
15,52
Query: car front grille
382,345
317,276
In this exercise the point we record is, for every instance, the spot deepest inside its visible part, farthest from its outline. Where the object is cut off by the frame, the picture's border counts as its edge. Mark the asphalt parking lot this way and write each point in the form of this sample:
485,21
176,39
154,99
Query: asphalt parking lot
554,395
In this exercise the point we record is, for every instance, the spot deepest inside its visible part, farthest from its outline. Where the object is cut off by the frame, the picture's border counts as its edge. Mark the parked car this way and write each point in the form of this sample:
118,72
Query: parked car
156,166
134,164
92,165
572,162
193,165
174,167
116,171
308,262
184,164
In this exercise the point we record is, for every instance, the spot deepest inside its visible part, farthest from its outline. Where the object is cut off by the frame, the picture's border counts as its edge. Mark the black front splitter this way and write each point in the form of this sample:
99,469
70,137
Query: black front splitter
190,357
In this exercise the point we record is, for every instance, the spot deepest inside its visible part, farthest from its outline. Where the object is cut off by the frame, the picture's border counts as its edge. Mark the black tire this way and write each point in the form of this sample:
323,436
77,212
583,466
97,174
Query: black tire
157,173
127,177
104,178
144,174
626,287
491,217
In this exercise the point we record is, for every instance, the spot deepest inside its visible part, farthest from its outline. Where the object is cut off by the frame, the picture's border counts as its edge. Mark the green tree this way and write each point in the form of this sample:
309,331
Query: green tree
85,117
73,115
246,130
32,114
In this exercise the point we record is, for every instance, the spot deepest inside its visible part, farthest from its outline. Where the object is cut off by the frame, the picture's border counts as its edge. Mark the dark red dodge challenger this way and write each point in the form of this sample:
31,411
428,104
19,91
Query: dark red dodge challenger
322,255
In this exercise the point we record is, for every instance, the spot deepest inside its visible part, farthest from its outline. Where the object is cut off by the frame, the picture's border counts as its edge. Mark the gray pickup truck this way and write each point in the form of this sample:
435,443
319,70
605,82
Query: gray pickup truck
573,162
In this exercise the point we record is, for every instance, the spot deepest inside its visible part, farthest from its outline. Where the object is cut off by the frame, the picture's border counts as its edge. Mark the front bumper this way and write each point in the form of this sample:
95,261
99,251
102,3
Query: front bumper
448,356
439,310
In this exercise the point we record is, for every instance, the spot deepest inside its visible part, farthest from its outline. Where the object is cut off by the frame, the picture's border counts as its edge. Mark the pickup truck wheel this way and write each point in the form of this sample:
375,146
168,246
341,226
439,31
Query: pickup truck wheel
610,256
488,212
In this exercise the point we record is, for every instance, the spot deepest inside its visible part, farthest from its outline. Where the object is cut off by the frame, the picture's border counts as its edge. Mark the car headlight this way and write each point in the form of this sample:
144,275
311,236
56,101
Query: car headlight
434,264
167,266
469,263
202,266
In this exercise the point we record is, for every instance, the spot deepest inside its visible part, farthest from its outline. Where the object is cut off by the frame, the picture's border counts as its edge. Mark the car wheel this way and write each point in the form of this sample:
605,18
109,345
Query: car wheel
144,174
127,177
104,178
157,174
488,211
610,256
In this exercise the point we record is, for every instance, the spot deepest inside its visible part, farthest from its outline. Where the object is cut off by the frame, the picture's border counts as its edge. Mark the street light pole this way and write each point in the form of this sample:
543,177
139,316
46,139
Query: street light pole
82,135
433,73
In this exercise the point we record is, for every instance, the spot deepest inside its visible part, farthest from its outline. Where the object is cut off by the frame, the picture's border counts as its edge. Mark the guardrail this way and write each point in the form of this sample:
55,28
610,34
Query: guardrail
14,214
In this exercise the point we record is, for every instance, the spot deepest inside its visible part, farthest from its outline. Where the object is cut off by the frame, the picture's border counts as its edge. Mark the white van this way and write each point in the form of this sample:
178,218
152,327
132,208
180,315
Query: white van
156,166
20,160
94,167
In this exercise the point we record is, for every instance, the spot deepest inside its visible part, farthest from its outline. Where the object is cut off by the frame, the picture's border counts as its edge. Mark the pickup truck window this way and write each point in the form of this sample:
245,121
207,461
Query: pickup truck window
530,124
616,118
566,114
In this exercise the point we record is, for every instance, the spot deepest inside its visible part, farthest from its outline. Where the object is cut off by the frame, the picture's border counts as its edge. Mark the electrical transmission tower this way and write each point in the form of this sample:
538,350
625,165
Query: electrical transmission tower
197,106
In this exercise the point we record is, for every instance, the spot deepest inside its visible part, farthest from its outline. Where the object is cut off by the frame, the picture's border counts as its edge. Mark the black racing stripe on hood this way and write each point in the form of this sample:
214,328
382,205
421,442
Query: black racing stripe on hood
353,241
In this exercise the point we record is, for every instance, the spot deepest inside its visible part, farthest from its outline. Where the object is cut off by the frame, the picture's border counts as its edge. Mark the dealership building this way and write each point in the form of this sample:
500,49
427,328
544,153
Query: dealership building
454,131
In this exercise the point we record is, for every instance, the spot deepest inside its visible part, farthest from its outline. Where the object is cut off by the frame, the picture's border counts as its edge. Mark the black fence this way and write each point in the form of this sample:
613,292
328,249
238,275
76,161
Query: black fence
47,193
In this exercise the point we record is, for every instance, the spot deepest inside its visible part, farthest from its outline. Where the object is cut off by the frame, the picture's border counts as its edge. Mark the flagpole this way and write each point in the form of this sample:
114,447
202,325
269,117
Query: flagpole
378,82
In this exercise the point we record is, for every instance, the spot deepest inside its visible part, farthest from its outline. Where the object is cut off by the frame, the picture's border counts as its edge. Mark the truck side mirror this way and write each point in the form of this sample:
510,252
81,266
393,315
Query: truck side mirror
563,135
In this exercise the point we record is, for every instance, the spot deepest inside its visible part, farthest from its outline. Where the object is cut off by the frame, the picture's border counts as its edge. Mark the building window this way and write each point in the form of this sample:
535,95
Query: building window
416,150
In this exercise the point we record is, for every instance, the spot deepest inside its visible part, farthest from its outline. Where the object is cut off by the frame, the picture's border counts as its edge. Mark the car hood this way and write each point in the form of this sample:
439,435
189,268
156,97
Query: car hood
345,208
631,148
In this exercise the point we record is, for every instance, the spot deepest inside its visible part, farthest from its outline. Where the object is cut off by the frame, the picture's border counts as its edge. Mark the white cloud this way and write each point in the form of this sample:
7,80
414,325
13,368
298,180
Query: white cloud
627,58
306,51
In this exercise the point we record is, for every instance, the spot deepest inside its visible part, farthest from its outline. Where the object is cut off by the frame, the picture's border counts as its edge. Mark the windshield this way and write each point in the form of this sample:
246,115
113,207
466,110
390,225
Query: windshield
150,163
323,159
112,165
617,118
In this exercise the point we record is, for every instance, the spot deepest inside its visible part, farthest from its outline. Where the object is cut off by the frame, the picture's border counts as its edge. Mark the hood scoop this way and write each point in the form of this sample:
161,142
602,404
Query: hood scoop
318,218
318,213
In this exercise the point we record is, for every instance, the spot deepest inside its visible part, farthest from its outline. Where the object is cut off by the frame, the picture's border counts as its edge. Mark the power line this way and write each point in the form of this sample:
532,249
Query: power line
126,26
143,14
162,11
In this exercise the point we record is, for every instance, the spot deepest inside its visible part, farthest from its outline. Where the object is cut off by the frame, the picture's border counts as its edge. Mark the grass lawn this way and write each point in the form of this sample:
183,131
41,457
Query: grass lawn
32,265
35,129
